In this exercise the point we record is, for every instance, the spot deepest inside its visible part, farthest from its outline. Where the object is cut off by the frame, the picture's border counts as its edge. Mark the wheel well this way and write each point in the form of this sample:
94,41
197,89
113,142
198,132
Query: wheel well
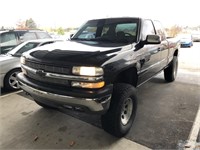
128,76
176,53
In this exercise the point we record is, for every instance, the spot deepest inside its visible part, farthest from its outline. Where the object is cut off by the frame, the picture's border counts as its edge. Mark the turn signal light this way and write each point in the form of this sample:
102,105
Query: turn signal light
96,85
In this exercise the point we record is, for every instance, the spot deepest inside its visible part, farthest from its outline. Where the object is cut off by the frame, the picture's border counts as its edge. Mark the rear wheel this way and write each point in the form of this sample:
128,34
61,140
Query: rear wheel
120,116
170,72
10,81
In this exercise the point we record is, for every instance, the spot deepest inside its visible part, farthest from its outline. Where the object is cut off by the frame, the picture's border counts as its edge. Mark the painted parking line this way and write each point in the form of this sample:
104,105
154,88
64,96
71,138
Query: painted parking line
2,96
192,140
126,144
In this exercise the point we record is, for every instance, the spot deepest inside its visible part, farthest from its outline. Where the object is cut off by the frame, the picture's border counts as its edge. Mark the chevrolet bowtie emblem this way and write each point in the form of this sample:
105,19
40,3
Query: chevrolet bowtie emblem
40,73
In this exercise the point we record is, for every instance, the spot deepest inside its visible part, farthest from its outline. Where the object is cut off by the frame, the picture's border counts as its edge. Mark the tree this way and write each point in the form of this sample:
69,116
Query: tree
174,30
60,31
30,24
20,25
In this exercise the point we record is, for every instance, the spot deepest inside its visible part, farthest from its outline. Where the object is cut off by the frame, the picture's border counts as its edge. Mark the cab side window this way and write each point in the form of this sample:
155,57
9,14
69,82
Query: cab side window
43,35
148,29
159,30
8,39
29,36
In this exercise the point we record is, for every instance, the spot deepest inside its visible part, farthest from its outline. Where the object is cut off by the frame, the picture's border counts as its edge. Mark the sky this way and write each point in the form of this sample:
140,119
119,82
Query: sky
73,13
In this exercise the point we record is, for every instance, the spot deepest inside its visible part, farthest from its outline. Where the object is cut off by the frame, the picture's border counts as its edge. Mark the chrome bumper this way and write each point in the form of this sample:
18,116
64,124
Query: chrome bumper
94,105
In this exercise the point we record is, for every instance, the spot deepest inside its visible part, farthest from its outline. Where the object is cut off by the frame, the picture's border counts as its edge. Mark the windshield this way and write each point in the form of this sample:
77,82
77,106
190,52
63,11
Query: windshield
118,30
21,48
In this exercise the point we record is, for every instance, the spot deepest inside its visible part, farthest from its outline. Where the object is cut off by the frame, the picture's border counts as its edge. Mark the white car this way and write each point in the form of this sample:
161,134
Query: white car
10,62
196,37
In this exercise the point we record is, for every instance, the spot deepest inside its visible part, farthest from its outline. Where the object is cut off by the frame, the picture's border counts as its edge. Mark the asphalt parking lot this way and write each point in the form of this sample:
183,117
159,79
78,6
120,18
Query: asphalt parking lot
165,116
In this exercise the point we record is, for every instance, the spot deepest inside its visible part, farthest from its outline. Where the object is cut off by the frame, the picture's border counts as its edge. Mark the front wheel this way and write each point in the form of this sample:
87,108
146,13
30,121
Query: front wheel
170,72
121,114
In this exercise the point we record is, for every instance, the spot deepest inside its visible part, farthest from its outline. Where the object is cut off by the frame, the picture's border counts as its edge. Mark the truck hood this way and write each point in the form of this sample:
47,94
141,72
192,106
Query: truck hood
76,52
82,46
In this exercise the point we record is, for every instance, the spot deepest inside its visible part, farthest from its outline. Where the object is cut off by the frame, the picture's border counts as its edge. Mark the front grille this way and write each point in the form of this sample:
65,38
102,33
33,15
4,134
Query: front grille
47,79
49,68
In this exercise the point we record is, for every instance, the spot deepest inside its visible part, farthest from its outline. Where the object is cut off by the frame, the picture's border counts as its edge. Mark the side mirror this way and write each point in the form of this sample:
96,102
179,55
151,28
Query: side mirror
71,35
153,39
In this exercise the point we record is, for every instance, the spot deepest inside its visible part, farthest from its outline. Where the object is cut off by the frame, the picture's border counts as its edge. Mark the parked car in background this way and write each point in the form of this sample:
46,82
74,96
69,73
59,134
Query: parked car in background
186,40
54,35
11,38
196,37
10,62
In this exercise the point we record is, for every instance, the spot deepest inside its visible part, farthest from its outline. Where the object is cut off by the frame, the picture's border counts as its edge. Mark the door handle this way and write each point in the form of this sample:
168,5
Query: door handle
159,49
156,50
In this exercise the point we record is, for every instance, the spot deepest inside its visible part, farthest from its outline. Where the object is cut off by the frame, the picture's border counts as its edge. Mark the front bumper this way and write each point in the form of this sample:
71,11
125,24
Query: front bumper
82,100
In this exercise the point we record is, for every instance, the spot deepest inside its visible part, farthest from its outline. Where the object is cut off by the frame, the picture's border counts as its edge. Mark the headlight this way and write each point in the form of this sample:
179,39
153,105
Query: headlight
87,71
22,60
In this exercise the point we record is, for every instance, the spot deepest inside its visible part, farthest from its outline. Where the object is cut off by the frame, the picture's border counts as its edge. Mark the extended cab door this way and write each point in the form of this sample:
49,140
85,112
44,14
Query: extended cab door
149,54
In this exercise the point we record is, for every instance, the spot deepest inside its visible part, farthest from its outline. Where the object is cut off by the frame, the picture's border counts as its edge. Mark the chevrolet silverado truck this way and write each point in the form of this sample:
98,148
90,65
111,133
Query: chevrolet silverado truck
99,69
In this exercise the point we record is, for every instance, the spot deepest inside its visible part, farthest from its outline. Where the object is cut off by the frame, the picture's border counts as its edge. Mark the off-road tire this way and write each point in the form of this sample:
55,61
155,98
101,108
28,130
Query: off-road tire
170,72
112,121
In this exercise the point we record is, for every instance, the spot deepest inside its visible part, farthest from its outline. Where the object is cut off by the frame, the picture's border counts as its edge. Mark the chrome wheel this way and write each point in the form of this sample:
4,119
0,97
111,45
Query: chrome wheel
126,112
13,80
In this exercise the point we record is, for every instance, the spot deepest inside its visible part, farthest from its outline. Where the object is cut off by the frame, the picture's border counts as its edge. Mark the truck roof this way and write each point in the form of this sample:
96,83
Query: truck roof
116,18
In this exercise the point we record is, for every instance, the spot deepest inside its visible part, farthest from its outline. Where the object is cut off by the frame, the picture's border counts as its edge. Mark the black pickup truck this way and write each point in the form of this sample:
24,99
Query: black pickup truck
99,68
